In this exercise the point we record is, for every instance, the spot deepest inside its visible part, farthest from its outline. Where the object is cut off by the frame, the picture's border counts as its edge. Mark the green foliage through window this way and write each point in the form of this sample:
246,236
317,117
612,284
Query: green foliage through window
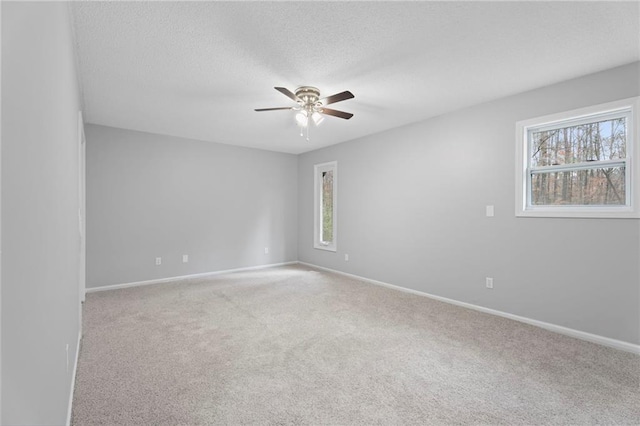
327,207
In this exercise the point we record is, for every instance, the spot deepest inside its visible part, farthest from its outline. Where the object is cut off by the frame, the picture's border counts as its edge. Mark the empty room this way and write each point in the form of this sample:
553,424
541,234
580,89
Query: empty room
320,213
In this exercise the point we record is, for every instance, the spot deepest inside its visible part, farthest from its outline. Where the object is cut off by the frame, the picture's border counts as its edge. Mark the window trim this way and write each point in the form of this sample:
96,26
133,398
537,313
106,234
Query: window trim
629,106
317,205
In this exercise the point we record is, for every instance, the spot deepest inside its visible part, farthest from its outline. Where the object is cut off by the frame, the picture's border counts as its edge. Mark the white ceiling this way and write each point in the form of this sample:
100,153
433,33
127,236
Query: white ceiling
197,70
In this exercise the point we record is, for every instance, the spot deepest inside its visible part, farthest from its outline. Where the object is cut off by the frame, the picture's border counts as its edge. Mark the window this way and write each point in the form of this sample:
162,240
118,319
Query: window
581,163
325,196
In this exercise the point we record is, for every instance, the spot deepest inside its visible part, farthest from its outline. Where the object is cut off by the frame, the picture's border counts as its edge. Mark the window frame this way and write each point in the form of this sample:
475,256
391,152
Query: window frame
318,169
630,108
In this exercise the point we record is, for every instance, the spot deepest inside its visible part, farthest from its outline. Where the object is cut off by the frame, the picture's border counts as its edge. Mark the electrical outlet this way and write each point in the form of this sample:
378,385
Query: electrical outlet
185,258
158,261
489,210
346,257
266,250
489,282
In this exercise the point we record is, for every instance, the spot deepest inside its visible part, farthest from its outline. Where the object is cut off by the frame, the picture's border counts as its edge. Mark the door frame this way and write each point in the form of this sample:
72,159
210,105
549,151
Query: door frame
82,267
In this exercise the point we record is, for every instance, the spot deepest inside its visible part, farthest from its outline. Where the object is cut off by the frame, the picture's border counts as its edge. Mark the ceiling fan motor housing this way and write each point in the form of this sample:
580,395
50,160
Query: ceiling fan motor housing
308,94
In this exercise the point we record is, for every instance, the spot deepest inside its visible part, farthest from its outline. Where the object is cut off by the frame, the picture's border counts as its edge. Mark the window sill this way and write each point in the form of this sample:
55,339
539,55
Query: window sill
325,248
580,213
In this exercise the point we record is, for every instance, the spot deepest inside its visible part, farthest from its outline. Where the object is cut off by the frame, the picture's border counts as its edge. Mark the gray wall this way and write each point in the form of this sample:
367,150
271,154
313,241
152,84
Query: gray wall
40,247
154,196
411,212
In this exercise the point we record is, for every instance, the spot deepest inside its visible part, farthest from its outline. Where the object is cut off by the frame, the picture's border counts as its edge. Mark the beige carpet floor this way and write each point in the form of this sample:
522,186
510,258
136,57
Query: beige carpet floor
292,345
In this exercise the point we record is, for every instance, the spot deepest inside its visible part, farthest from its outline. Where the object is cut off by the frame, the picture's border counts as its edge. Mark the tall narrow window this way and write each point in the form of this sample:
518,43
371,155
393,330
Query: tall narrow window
325,196
579,163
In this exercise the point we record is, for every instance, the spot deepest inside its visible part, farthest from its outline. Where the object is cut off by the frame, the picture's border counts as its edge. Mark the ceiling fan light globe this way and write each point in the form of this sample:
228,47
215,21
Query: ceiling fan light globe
302,118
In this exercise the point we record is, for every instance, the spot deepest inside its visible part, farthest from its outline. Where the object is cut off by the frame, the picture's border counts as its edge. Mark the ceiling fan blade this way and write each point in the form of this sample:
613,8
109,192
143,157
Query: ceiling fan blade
337,98
288,93
336,113
272,109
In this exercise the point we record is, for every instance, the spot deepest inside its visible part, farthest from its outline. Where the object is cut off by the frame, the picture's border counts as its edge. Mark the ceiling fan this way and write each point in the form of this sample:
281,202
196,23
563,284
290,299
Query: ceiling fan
311,107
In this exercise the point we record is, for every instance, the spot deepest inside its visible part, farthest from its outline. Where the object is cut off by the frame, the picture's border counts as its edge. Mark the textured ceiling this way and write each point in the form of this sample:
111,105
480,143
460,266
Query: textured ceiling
198,69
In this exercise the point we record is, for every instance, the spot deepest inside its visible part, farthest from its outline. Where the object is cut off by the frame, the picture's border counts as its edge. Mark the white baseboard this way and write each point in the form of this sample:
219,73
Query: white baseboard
73,380
183,277
593,338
